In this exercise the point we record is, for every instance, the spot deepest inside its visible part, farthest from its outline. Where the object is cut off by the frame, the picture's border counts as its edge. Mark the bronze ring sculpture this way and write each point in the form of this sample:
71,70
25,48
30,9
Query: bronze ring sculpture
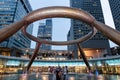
51,12
66,12
84,38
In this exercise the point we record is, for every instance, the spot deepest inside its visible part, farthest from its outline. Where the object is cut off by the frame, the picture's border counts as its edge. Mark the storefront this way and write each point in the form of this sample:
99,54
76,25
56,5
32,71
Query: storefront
109,65
1,66
5,51
12,66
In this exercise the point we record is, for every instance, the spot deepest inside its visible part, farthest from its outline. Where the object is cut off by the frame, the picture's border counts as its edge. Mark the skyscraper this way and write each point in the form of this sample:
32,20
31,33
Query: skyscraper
45,32
115,9
10,12
96,45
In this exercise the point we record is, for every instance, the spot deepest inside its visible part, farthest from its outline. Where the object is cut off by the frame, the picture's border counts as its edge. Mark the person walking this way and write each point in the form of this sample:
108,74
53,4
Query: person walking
65,73
58,73
54,73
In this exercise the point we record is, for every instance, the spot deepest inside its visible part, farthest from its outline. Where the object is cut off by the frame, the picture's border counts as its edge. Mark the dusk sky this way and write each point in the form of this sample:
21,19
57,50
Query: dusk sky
61,26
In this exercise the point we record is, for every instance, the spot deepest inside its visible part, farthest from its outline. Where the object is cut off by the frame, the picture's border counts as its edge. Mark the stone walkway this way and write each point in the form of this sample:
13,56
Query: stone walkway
72,76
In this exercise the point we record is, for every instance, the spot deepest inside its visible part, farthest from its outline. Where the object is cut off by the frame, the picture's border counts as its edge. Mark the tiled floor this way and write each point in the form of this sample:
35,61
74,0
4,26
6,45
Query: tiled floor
50,77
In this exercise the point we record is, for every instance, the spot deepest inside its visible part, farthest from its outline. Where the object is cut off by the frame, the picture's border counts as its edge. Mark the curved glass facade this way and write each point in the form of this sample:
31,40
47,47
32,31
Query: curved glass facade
106,65
99,62
10,12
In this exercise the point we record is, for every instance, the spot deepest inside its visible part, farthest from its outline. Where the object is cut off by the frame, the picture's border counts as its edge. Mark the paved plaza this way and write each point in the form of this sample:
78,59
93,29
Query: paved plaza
70,77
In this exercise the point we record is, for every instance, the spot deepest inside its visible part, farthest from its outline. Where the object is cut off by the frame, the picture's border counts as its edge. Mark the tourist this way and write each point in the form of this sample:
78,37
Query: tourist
54,73
58,73
65,73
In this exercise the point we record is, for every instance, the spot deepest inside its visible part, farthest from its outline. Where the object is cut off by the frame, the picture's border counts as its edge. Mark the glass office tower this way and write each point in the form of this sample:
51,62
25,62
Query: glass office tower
10,12
98,45
115,9
45,32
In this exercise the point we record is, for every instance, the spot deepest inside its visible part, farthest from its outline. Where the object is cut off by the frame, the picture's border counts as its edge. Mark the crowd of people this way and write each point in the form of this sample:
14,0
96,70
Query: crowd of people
59,73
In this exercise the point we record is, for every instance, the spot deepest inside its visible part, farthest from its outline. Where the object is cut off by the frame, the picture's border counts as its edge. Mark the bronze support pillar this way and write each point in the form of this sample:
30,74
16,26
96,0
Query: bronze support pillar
84,57
33,56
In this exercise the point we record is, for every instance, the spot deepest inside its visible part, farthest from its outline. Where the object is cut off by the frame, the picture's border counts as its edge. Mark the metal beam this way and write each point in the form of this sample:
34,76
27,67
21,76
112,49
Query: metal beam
84,57
33,56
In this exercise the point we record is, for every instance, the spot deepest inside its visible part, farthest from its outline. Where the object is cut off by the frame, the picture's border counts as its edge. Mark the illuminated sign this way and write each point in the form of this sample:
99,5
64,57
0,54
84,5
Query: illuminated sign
13,63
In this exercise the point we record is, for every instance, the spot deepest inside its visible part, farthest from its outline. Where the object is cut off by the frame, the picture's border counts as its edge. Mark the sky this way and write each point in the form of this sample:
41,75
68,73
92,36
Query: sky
61,26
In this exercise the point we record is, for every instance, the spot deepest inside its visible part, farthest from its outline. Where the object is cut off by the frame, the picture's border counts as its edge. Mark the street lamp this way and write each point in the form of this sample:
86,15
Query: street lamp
26,51
97,53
